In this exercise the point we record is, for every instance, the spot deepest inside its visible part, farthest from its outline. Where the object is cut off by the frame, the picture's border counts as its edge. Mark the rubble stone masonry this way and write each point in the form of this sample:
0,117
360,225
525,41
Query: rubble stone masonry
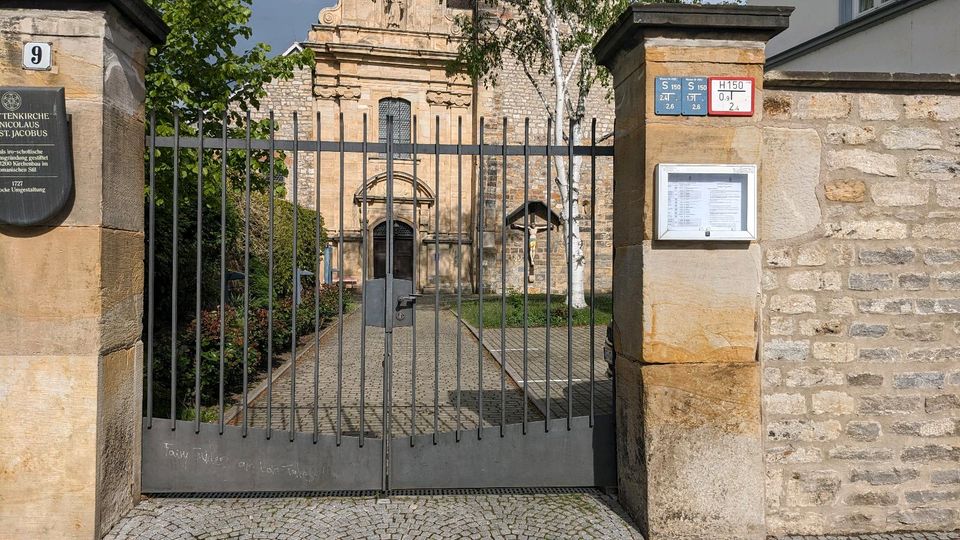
861,320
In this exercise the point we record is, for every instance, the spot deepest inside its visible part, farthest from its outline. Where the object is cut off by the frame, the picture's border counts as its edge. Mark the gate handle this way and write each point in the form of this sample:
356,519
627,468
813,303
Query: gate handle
407,302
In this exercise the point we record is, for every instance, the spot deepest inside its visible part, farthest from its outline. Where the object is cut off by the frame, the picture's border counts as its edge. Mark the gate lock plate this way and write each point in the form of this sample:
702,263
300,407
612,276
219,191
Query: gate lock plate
375,302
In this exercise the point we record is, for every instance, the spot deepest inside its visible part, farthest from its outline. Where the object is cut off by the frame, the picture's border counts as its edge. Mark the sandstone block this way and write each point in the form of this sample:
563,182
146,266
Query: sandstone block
779,258
836,352
948,195
864,161
781,326
812,488
697,418
880,107
771,377
937,355
949,477
913,282
846,191
893,256
831,402
858,453
899,194
946,427
872,498
928,496
945,402
886,306
811,256
847,134
803,430
785,404
789,177
696,312
777,105
925,518
884,477
880,355
869,330
912,139
814,281
786,351
867,230
793,454
919,332
842,306
932,107
864,379
822,106
889,404
816,327
793,304
948,281
859,281
930,453
863,431
937,167
813,376
938,231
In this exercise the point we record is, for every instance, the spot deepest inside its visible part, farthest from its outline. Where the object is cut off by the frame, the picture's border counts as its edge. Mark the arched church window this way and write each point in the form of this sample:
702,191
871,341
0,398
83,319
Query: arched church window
399,109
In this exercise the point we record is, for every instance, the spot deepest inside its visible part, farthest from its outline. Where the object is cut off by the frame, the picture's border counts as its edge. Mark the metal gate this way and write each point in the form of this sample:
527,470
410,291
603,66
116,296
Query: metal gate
443,379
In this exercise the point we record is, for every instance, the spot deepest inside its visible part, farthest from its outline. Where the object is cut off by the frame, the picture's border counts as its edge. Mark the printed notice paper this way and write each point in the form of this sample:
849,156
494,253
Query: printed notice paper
705,202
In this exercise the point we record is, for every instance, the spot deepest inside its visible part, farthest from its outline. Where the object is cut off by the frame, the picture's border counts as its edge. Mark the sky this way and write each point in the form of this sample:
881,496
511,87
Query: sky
281,22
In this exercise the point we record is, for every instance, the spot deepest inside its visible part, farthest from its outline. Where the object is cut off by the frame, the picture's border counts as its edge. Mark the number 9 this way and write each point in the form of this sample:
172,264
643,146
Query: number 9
36,57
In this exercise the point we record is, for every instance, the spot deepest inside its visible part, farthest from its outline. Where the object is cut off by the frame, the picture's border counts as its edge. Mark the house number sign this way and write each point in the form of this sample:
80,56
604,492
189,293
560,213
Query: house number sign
36,161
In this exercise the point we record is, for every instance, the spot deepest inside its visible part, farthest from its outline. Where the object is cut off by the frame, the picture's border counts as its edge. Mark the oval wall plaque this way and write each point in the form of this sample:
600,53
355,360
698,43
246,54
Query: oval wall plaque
36,160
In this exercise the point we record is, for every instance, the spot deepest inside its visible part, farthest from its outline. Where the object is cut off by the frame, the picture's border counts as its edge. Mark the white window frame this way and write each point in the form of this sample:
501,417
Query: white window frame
877,4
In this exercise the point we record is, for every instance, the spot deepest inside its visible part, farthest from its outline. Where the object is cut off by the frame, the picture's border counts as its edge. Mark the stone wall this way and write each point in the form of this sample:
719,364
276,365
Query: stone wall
285,97
861,352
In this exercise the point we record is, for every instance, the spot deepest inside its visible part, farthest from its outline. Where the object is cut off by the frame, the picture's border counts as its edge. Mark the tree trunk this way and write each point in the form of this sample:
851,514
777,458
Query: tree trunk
570,205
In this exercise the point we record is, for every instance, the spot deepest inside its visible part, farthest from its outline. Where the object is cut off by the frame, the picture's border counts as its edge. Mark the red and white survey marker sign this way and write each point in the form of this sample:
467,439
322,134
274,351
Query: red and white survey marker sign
730,96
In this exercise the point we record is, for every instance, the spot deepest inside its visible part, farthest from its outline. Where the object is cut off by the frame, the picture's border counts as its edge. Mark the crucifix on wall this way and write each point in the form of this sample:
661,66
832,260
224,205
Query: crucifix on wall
539,217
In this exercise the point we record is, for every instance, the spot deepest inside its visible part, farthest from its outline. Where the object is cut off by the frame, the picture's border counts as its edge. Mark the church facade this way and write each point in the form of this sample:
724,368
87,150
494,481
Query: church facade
379,58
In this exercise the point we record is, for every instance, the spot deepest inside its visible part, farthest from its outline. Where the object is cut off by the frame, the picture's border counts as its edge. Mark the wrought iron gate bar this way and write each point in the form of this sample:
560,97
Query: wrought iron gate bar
548,318
513,150
236,453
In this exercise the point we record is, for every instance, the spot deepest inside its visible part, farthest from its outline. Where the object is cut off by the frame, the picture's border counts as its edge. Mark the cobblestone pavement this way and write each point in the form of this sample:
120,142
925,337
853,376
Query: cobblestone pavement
445,364
555,516
536,367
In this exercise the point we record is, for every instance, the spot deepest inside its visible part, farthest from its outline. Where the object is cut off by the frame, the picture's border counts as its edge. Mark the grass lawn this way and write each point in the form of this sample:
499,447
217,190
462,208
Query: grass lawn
536,311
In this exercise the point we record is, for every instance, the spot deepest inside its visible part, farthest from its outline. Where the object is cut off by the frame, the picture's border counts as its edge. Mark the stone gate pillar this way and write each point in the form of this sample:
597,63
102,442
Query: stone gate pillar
71,288
686,313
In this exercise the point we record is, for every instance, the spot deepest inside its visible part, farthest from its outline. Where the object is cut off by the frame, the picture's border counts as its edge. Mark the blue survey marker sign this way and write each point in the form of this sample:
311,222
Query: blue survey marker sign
695,96
669,96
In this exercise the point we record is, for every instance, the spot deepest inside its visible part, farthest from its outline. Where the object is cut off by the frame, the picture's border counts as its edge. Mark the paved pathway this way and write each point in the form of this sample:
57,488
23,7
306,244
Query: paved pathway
585,369
427,364
556,516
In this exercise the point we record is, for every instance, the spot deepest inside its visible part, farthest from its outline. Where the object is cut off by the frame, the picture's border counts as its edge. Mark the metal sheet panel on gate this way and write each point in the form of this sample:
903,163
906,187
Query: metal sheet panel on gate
182,460
579,457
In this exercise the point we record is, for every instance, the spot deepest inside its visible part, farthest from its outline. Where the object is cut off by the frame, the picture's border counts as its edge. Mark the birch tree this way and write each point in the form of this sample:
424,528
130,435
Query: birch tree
552,41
